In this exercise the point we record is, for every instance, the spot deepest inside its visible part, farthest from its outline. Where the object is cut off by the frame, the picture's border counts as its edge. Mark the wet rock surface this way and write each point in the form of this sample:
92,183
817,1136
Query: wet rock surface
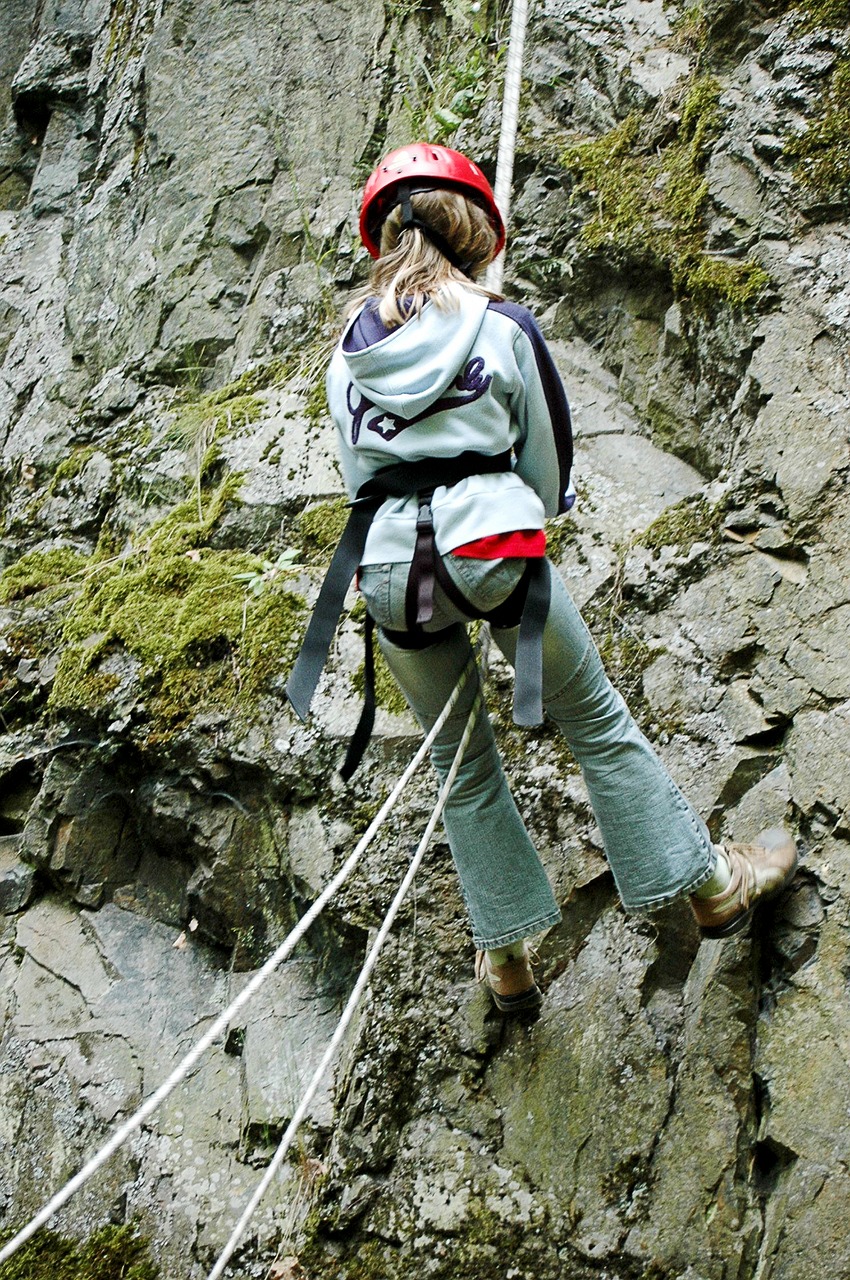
178,193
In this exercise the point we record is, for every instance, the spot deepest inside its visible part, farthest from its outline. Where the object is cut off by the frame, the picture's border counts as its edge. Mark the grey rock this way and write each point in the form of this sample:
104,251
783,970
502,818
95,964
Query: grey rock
817,758
54,71
766,804
819,655
187,213
742,713
291,1023
17,881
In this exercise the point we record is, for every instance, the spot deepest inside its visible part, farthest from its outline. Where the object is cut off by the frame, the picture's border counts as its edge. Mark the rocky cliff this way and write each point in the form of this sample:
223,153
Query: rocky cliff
178,190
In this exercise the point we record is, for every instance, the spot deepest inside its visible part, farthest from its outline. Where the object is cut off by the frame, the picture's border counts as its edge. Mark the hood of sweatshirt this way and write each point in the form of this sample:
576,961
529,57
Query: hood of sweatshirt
405,370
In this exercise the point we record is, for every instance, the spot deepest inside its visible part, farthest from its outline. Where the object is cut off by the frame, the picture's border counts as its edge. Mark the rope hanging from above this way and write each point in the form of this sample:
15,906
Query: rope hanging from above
508,132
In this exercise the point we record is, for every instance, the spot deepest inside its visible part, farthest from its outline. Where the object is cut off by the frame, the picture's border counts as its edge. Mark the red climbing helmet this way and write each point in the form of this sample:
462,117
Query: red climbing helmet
425,166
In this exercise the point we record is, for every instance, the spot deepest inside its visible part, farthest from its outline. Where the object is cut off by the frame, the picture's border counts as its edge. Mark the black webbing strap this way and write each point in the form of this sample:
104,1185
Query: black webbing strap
528,670
419,596
400,480
359,740
311,660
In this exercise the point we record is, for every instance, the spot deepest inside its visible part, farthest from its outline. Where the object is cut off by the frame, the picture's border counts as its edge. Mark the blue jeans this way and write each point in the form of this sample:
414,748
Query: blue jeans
657,846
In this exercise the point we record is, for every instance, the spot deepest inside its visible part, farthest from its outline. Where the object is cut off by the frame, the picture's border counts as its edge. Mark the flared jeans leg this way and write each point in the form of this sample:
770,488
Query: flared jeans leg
505,888
657,846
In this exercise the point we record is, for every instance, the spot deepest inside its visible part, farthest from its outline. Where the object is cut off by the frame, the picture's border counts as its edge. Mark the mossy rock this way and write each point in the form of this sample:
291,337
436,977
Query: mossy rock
645,192
834,14
822,152
694,519
112,1253
320,528
71,466
38,570
387,693
177,606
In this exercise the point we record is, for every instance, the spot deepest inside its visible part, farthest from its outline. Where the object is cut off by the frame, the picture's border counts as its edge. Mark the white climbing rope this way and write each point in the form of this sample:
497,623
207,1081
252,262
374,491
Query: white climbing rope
508,132
277,957
353,1000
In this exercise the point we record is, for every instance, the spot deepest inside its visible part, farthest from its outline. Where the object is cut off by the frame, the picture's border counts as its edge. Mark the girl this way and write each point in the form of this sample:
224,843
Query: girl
454,436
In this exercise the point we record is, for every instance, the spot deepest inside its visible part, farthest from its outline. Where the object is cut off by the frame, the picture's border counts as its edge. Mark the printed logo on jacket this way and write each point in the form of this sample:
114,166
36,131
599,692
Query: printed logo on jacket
472,382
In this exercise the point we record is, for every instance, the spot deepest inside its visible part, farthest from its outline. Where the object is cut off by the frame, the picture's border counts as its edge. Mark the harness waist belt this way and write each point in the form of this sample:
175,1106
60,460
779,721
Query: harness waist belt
398,481
528,606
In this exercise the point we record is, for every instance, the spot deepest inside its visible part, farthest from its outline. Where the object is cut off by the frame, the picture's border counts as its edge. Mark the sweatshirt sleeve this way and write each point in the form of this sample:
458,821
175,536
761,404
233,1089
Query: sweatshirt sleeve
337,386
545,448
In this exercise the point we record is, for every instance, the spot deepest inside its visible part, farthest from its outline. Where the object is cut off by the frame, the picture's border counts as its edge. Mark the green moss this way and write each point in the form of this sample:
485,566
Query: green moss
625,655
824,13
211,417
648,193
71,466
822,152
175,605
691,28
261,377
560,534
112,1253
387,693
370,1260
320,528
37,570
686,522
274,626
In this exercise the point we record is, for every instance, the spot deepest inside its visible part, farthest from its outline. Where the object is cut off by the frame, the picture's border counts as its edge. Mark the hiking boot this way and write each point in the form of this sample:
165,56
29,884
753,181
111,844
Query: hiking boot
759,870
511,984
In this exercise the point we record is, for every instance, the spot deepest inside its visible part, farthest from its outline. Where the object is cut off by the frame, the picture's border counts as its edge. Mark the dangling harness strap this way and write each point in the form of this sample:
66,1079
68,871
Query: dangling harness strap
398,481
528,604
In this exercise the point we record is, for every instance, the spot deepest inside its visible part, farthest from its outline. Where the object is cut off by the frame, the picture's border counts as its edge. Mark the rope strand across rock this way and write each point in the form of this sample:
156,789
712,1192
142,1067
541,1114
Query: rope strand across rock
285,949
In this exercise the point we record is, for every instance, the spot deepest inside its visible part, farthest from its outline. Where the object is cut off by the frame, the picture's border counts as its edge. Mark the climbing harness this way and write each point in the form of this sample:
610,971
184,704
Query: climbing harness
528,605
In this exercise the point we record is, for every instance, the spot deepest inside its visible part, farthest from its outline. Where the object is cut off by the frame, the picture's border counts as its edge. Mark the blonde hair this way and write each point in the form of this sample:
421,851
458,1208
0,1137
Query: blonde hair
411,270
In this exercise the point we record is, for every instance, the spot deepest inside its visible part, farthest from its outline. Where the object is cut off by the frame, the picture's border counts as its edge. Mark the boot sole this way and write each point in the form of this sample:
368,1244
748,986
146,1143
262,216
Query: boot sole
739,922
531,999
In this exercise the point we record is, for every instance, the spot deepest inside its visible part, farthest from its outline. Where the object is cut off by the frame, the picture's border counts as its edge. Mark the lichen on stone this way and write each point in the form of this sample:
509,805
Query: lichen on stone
645,193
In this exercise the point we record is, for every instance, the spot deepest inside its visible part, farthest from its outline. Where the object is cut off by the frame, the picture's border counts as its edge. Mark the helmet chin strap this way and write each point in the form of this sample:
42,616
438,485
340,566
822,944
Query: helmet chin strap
409,221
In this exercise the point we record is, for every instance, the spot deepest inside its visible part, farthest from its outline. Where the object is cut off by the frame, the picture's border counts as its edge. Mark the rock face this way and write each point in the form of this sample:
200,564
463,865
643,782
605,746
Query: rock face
178,188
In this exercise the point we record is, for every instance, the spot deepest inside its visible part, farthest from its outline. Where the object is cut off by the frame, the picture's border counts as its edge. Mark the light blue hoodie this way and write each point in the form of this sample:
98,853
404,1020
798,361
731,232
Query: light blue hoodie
478,378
